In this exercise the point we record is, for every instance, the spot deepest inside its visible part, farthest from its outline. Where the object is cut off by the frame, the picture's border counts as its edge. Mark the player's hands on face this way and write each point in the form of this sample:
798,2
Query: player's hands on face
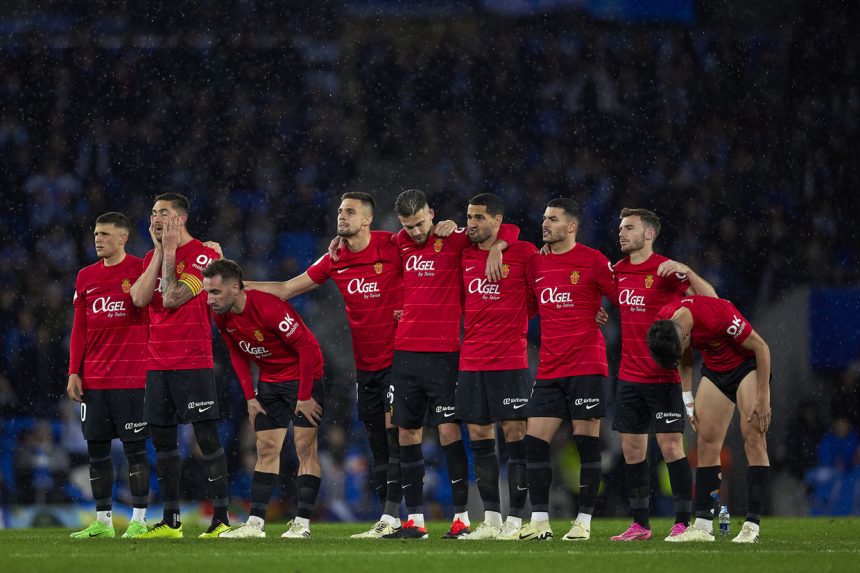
254,408
602,317
545,249
311,410
444,228
215,246
761,415
152,236
170,234
75,388
334,247
669,267
494,264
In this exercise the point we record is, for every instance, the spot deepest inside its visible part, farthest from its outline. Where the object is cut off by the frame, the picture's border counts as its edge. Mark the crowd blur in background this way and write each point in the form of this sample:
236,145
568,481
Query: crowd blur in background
743,139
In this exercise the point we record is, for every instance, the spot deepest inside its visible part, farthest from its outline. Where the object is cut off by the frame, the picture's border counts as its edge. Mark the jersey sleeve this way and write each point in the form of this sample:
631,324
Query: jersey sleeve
320,270
293,333
680,283
78,338
192,274
604,277
508,233
733,323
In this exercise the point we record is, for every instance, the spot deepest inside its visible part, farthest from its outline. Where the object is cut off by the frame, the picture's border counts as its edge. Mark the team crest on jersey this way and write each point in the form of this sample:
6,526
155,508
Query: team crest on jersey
126,286
258,335
180,267
574,277
506,270
649,281
437,245
378,268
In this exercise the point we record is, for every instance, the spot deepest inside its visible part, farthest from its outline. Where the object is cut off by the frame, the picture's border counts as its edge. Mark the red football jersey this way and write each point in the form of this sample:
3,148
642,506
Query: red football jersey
372,287
109,335
181,338
271,333
641,294
433,290
568,289
496,313
719,329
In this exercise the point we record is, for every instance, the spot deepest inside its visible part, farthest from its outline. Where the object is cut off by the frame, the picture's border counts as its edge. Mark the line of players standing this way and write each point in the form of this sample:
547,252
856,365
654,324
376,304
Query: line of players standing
405,294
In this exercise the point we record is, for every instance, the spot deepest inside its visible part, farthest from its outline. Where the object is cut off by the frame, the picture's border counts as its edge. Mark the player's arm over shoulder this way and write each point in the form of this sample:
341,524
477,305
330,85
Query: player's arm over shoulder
285,289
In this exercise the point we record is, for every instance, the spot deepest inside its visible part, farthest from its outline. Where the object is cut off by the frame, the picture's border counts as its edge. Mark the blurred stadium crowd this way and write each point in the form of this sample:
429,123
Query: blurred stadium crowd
744,140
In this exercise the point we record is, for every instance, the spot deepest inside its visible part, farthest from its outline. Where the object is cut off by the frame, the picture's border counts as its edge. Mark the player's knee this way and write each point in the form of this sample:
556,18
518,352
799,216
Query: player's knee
633,451
449,433
306,449
207,437
98,451
134,449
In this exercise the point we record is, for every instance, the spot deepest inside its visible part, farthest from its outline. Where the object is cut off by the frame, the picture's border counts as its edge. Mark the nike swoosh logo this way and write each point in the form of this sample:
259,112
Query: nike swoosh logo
449,414
623,279
672,420
469,269
517,407
391,482
134,474
201,410
407,485
453,481
95,478
539,279
231,330
216,479
139,430
592,406
342,270
94,534
89,290
521,488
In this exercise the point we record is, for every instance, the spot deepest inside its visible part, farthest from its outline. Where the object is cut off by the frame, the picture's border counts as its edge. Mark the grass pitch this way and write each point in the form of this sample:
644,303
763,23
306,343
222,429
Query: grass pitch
797,544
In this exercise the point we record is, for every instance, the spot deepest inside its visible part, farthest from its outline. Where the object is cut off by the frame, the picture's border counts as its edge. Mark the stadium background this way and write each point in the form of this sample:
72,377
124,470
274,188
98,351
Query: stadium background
737,123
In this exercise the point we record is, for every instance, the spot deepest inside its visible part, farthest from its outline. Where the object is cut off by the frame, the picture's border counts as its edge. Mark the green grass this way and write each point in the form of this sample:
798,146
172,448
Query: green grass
798,544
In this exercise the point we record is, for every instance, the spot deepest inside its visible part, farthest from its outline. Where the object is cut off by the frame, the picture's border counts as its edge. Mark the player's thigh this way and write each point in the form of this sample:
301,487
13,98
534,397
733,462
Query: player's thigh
548,400
126,411
747,394
508,394
714,413
439,385
586,427
159,406
632,414
96,418
471,400
408,397
194,394
374,394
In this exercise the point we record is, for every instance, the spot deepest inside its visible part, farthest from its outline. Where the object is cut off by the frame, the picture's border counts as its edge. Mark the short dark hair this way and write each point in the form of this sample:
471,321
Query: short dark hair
365,198
227,268
494,204
118,220
650,218
410,202
570,207
665,343
179,202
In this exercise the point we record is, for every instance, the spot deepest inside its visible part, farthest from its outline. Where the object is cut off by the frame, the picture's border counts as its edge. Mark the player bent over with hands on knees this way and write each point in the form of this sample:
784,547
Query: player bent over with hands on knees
736,370
261,328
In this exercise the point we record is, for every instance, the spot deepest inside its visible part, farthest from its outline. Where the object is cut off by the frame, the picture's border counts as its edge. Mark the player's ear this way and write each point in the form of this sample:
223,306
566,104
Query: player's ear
431,213
183,218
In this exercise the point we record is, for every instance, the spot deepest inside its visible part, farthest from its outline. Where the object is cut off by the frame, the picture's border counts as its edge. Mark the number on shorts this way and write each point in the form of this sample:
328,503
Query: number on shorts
83,412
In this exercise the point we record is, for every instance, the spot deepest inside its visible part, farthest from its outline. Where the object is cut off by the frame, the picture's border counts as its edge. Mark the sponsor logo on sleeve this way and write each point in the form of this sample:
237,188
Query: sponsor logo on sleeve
737,327
201,261
288,326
